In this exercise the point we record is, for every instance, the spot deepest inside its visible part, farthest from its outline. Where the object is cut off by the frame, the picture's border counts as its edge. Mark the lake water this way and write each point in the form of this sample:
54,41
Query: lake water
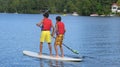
96,38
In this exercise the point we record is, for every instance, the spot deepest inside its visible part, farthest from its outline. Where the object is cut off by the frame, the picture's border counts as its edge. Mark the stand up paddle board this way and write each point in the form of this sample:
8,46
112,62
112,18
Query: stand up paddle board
35,54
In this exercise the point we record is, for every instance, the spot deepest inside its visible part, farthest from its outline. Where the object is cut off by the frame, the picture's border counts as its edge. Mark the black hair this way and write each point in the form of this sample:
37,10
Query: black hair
46,15
58,18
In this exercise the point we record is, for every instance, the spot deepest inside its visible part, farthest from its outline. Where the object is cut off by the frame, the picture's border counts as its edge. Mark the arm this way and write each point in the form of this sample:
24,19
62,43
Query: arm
40,23
65,29
56,29
53,30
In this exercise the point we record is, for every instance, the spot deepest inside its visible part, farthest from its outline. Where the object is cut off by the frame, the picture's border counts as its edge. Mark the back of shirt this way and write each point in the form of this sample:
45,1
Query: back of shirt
61,28
47,23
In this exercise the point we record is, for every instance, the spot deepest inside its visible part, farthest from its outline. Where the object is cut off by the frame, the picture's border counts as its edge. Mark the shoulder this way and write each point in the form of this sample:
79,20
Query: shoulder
43,19
62,23
48,19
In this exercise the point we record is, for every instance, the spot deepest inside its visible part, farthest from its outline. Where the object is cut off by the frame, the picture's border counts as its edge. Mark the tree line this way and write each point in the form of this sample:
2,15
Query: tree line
82,7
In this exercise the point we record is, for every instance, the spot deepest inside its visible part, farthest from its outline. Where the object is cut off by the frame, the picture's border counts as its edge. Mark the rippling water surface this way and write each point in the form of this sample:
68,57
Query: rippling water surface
96,38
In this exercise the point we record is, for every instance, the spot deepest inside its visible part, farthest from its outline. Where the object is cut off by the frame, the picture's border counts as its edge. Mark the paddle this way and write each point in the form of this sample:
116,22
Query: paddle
74,51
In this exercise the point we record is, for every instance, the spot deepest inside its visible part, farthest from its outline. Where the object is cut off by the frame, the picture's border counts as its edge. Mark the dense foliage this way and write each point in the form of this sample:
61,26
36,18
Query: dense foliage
83,7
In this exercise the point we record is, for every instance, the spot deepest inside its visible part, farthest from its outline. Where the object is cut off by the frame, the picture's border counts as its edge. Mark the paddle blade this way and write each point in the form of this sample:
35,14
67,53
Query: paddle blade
75,51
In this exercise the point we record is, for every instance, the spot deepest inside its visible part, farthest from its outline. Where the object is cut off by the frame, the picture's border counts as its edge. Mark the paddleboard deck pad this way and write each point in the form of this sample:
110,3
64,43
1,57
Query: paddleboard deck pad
35,54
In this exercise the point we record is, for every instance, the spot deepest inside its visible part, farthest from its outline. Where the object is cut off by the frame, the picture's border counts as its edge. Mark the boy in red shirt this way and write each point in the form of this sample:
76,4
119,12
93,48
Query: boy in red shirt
60,31
46,24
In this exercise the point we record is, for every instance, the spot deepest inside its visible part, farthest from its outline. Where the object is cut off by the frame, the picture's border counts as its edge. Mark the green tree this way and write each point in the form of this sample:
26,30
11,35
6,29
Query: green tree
83,7
118,2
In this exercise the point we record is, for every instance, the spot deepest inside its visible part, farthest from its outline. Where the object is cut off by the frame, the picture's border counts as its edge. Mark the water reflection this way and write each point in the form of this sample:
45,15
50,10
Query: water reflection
59,64
41,63
51,63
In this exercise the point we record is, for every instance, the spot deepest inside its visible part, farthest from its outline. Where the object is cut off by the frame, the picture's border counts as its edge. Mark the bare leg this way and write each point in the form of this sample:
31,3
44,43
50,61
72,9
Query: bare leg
41,45
61,49
50,48
56,50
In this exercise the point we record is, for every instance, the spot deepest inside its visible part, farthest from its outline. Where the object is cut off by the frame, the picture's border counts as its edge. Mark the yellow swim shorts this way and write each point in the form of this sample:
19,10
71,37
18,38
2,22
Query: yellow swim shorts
45,36
59,39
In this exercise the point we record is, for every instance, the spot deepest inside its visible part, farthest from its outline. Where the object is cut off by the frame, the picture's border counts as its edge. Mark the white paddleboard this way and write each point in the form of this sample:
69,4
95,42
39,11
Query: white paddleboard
34,54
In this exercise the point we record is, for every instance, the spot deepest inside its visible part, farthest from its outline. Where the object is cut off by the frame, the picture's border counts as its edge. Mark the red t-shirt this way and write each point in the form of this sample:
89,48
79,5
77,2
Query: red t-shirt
60,27
47,23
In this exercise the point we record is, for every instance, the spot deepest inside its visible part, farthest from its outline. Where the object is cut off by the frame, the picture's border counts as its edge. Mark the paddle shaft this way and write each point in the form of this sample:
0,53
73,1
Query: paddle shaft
74,51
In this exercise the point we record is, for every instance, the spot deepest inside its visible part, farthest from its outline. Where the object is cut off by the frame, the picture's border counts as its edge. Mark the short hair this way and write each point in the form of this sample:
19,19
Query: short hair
58,18
46,15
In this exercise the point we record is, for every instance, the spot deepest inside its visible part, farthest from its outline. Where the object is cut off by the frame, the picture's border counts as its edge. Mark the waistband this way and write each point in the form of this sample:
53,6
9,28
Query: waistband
45,30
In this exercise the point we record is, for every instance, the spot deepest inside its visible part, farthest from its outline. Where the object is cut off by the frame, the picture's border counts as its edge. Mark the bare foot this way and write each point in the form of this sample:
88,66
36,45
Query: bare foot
51,55
57,56
40,54
62,56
